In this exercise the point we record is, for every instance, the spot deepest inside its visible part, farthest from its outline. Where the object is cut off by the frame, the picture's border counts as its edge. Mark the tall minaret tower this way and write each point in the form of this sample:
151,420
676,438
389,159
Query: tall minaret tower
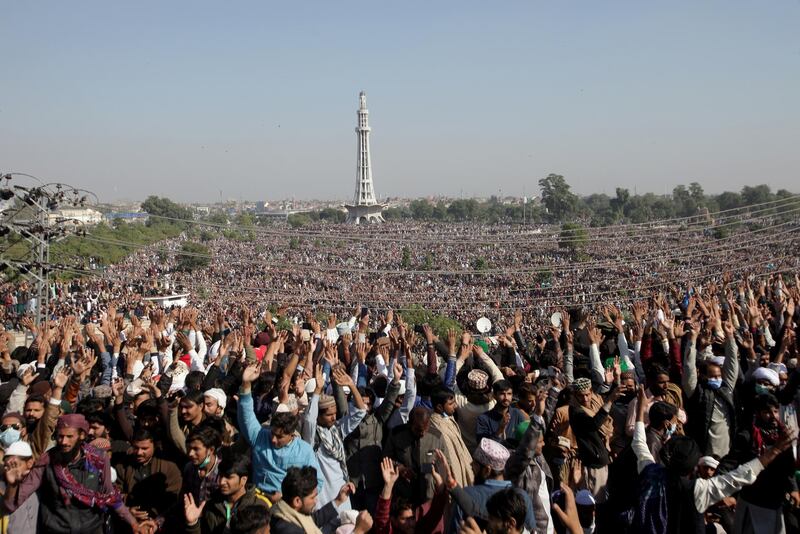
365,208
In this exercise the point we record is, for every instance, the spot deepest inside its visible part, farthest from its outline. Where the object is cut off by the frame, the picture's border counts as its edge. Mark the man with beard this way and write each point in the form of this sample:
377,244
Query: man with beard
760,505
41,415
73,481
500,422
17,463
443,420
295,512
150,484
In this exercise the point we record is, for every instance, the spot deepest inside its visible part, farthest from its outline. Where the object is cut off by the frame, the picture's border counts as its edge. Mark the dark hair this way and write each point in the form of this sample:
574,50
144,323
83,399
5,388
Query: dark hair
286,422
501,385
765,401
660,412
148,408
194,381
429,383
194,395
235,464
298,482
680,455
206,435
440,396
506,505
214,421
399,505
101,418
142,434
379,385
526,389
656,370
35,398
419,413
549,358
91,406
250,519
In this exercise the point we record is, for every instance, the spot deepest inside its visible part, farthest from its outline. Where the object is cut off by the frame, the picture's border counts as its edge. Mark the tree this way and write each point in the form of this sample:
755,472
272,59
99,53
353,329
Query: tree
757,194
296,220
697,193
560,202
479,264
195,256
685,205
334,215
160,207
405,262
421,209
573,237
245,219
620,202
729,200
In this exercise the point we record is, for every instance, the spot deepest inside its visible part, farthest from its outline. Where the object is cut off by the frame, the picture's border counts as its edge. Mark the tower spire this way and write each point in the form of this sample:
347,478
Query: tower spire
364,208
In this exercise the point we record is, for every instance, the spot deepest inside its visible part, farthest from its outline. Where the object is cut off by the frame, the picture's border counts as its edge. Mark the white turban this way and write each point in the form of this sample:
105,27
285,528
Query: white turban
764,373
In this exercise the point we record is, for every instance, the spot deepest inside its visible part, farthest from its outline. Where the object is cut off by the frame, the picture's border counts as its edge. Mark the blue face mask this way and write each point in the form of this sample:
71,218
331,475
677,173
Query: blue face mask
671,429
9,436
714,383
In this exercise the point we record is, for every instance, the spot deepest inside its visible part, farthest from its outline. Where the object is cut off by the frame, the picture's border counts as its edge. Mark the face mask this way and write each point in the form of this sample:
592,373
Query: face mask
205,462
761,389
9,436
671,429
714,383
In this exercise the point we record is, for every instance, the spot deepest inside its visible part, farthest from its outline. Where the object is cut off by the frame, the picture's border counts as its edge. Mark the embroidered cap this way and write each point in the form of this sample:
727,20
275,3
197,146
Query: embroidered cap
491,454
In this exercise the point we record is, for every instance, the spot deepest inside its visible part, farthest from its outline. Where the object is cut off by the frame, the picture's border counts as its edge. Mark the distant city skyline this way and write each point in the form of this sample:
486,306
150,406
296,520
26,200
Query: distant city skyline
258,99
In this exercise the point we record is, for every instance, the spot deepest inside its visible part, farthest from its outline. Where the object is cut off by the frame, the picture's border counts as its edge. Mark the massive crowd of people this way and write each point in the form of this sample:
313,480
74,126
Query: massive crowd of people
661,396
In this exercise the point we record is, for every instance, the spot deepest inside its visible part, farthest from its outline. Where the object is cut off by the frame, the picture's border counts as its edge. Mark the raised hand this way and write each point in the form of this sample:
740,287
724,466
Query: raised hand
62,377
191,511
319,379
389,471
569,514
251,373
397,370
595,334
451,340
183,341
29,376
342,378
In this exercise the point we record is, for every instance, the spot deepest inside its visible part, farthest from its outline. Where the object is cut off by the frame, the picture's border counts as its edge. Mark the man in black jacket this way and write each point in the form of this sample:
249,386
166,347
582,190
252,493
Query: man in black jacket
592,449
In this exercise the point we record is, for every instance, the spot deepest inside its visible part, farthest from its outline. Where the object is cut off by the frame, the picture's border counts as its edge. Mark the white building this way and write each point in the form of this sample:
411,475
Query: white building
77,216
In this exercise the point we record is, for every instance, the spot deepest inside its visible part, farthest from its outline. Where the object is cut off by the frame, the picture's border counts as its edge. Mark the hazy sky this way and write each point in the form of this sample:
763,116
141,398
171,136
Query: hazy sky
258,99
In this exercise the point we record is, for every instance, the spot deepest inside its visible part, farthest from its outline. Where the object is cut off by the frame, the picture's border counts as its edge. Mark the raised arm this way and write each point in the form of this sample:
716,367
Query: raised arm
689,381
248,423
639,443
730,368
713,490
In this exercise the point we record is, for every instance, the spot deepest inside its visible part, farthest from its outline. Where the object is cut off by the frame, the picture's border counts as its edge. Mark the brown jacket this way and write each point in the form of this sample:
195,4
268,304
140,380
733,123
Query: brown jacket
154,487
